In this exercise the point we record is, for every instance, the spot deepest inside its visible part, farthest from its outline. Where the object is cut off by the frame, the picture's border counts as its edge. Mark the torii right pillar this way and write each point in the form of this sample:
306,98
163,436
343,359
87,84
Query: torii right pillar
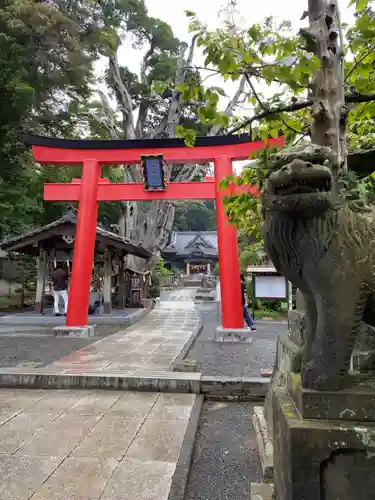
232,328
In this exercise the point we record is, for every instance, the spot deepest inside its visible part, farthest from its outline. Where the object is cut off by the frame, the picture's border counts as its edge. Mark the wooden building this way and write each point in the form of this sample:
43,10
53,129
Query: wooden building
192,252
55,242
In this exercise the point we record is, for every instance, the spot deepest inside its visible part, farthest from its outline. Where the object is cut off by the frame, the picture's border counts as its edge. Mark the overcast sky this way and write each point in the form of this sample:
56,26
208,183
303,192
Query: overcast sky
250,12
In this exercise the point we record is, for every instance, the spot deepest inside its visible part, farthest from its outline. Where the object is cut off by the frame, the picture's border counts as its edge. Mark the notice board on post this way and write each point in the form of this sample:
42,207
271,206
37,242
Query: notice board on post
267,283
270,287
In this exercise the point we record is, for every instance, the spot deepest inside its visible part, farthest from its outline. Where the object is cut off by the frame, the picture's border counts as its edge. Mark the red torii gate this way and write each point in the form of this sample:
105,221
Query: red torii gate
91,189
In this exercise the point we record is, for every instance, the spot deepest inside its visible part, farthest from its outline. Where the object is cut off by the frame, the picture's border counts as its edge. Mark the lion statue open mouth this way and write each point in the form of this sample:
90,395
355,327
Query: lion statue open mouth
327,250
300,187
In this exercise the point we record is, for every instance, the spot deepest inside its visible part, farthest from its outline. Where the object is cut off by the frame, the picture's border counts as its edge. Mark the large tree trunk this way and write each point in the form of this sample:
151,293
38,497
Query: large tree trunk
323,38
148,224
329,113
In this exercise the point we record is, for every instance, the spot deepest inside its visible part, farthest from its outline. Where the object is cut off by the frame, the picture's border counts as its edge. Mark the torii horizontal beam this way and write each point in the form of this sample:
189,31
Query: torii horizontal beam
136,192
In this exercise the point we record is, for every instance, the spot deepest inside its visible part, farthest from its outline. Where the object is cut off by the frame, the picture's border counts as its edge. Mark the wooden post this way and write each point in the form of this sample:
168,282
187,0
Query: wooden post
121,284
84,245
107,293
41,280
187,268
230,282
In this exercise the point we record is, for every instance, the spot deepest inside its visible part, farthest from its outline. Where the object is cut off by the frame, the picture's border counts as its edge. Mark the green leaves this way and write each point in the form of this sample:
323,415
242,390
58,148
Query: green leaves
360,4
186,133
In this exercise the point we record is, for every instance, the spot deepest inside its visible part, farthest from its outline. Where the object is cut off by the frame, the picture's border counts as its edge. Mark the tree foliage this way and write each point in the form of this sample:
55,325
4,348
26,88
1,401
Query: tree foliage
272,54
195,216
44,55
48,54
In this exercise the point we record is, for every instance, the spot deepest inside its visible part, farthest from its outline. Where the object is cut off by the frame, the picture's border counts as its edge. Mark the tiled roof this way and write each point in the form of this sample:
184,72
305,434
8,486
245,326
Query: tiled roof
188,242
71,218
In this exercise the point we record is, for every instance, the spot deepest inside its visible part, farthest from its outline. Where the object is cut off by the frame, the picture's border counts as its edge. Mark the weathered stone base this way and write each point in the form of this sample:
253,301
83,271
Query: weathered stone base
75,331
233,335
263,442
261,491
355,401
320,459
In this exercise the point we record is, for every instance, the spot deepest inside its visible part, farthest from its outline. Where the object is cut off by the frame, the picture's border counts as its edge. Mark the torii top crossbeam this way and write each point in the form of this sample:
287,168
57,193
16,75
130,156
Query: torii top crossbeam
221,150
71,152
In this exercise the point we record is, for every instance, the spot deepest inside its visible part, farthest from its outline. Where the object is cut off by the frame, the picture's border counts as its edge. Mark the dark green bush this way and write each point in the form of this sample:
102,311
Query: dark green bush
155,284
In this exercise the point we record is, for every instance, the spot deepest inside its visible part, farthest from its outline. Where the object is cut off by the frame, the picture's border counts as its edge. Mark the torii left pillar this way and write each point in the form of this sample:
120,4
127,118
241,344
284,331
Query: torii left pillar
84,247
229,269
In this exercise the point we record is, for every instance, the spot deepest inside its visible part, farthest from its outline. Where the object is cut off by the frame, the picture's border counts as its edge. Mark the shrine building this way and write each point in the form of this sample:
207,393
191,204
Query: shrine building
192,252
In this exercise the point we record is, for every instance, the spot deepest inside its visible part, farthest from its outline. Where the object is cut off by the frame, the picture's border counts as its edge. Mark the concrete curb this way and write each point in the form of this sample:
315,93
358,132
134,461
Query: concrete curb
177,365
181,474
263,442
213,388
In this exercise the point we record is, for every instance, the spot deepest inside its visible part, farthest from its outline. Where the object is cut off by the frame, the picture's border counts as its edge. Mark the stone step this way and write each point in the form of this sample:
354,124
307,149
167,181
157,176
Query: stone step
261,491
234,388
53,377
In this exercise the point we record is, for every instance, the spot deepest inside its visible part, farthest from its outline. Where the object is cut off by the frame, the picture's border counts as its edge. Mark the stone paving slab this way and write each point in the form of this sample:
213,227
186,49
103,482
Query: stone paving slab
90,445
152,344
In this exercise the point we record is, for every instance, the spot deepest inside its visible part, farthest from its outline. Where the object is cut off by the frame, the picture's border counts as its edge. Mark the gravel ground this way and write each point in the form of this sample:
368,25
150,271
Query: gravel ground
40,347
225,458
237,359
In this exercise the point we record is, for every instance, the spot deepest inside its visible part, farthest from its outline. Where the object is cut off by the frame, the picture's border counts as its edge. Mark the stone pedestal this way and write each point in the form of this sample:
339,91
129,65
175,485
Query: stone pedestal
317,445
323,458
233,335
287,349
75,331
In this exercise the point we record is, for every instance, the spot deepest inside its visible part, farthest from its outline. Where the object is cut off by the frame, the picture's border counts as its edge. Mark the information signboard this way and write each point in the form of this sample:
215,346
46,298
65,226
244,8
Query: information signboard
270,287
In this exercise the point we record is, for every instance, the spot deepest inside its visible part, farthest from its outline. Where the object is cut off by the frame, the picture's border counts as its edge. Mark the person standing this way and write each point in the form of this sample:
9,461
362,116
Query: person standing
60,278
247,316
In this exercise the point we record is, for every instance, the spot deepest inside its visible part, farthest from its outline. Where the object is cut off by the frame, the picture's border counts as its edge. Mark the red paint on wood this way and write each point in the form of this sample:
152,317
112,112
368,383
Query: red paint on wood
230,284
136,192
84,247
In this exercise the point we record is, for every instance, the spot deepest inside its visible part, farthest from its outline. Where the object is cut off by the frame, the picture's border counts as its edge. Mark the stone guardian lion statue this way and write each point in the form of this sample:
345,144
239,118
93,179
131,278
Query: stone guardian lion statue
327,250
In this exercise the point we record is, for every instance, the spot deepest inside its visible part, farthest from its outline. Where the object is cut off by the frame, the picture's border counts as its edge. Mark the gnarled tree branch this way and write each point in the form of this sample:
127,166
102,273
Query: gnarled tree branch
296,106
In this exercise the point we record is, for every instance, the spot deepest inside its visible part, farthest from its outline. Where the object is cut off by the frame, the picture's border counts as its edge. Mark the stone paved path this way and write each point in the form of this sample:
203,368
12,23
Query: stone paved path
180,294
152,344
90,445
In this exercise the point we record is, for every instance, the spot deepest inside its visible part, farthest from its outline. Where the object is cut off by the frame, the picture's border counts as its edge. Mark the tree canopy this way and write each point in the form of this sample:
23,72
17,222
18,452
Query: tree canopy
49,84
272,55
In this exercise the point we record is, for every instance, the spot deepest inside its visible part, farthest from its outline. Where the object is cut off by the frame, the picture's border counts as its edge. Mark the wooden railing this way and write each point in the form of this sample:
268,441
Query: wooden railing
169,279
